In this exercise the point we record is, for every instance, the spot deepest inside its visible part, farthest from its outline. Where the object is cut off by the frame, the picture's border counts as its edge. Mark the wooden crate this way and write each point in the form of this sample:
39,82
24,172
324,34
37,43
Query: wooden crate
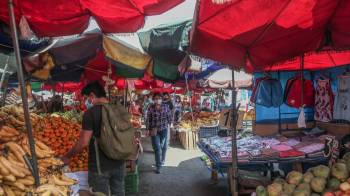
188,139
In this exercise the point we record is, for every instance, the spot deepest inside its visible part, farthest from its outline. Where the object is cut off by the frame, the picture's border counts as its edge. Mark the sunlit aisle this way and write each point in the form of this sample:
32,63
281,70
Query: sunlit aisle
184,174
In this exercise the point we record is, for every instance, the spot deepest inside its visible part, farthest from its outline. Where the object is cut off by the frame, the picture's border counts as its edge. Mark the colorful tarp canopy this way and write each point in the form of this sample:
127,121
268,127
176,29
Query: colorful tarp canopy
265,32
61,17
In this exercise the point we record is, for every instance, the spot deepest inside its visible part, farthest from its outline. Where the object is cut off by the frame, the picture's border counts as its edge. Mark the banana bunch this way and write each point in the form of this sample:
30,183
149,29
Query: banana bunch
13,116
15,177
9,134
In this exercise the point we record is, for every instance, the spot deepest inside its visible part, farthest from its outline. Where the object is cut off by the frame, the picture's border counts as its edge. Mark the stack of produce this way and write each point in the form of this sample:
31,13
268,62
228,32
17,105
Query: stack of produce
320,180
61,134
15,176
200,119
71,115
13,116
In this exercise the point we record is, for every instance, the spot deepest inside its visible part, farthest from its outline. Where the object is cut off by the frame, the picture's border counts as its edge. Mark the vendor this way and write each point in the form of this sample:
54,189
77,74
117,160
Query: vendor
178,109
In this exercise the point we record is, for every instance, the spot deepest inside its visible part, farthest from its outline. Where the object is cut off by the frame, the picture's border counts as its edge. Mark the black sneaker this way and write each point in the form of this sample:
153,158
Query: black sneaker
157,171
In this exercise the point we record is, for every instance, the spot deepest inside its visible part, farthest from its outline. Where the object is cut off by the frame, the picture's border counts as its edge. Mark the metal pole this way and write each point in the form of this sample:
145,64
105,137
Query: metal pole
20,76
302,79
188,91
4,71
126,93
234,141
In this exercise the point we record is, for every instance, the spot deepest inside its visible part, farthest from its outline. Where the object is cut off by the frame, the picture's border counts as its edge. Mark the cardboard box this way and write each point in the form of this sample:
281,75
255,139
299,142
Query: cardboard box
337,129
188,139
268,129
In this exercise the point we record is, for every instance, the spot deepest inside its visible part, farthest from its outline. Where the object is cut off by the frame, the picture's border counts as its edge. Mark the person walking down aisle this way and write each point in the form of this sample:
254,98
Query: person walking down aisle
158,121
105,172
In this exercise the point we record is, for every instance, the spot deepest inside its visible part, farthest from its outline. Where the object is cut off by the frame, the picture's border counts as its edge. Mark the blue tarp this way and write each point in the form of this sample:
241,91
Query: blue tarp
26,46
208,69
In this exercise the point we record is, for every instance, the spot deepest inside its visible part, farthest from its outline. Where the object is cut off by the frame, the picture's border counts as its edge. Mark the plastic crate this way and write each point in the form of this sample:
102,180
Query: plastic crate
211,131
132,181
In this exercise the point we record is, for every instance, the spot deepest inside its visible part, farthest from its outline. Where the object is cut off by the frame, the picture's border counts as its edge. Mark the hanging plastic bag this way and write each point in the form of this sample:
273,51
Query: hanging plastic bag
301,119
26,32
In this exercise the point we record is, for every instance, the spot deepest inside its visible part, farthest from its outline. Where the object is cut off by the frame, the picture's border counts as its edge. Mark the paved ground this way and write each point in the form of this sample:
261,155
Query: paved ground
184,174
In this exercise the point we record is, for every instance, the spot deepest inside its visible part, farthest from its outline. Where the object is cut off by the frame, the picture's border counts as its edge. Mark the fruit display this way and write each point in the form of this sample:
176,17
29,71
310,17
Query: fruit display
60,134
200,119
12,116
319,180
71,115
16,177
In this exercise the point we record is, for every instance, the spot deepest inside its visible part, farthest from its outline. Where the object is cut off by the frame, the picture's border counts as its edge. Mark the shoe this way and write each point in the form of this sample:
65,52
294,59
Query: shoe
163,163
157,171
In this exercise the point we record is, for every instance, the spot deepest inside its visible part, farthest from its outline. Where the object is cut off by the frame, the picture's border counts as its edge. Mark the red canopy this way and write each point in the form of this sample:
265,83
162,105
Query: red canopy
312,61
62,17
64,86
268,31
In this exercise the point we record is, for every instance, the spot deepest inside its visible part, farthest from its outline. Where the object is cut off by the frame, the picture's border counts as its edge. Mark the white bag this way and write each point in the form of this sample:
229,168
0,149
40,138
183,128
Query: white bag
301,119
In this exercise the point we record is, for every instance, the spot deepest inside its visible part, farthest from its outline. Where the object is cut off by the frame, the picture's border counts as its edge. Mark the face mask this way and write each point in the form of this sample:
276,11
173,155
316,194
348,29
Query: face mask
159,101
88,104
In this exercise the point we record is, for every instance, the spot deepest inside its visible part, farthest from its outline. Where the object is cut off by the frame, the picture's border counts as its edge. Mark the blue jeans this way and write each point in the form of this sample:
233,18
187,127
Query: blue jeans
160,146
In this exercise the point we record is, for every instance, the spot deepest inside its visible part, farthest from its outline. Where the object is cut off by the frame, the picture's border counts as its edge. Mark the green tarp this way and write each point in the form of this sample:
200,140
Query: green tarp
167,45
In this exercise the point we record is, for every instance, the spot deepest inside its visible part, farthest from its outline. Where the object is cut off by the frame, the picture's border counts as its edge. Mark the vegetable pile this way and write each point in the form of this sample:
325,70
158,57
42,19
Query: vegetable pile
200,119
320,180
60,134
16,177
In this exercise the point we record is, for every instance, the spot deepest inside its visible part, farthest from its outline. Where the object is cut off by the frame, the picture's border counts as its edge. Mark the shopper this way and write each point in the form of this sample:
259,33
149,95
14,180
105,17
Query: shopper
178,109
167,100
158,122
111,179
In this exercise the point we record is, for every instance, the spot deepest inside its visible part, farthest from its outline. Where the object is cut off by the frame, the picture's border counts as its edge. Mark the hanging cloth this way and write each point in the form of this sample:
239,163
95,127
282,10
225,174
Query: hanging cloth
324,100
342,99
269,93
294,91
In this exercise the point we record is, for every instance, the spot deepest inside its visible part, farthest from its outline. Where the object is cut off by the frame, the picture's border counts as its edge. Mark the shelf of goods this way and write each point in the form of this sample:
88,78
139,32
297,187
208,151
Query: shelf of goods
189,128
258,153
15,176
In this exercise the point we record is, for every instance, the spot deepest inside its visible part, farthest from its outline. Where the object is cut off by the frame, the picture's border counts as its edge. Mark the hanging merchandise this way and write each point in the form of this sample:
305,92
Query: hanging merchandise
293,92
324,100
301,119
267,92
342,99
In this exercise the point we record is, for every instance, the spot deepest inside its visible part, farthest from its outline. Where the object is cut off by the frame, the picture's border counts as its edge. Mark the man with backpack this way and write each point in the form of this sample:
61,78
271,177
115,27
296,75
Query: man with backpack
105,128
